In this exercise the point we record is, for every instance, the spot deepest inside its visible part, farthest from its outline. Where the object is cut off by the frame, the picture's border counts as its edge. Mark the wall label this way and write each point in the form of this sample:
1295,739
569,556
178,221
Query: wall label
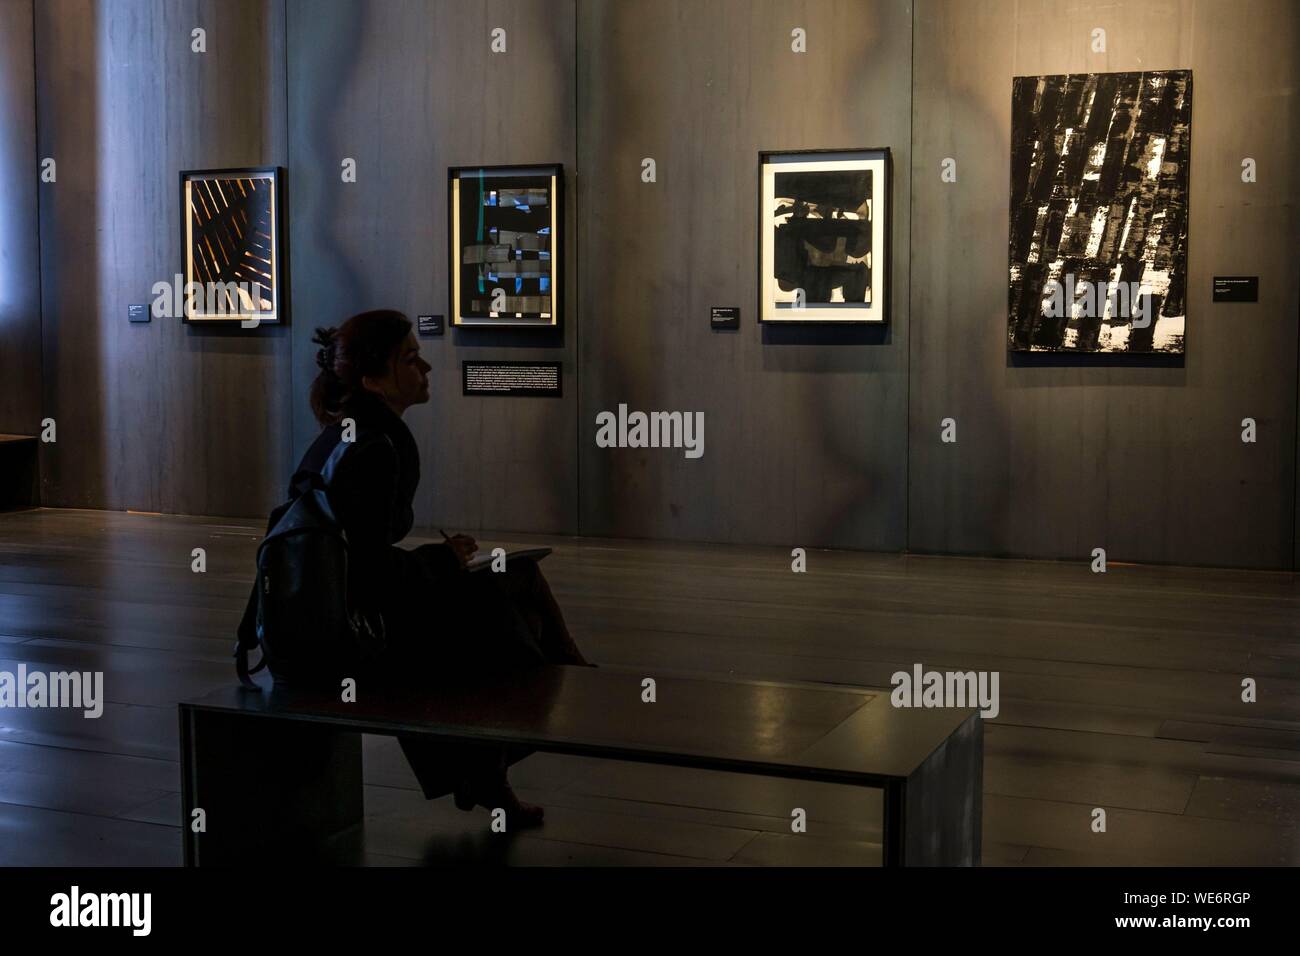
1236,288
511,378
724,317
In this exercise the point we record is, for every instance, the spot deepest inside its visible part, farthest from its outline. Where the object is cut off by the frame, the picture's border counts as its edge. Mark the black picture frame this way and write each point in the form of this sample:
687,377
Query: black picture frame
881,154
557,250
279,245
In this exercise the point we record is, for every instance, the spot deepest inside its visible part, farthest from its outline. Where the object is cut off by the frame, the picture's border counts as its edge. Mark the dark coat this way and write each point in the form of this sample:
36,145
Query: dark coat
439,620
373,493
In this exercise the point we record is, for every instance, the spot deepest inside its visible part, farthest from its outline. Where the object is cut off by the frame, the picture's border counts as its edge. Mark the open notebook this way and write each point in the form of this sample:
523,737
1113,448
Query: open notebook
483,559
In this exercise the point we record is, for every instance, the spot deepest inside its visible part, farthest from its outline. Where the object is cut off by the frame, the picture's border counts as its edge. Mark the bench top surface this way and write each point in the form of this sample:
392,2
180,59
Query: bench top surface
830,731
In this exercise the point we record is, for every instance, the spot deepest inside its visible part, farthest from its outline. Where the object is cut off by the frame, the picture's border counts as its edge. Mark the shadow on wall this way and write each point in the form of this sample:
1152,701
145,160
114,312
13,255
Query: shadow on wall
854,447
243,96
964,319
604,503
332,56
158,415
72,286
20,324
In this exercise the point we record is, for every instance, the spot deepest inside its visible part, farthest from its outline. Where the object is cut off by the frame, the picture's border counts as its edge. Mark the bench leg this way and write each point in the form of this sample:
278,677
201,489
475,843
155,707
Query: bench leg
934,817
271,790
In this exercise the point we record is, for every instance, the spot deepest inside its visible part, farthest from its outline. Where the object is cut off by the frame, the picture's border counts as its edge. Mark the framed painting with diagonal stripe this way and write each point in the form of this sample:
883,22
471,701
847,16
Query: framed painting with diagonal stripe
232,228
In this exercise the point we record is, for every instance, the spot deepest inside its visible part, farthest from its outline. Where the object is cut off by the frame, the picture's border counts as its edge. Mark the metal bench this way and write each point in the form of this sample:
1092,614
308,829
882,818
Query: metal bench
278,773
19,485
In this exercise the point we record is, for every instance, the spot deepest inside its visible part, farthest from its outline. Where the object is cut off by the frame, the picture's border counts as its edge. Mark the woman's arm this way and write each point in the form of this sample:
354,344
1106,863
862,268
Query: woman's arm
365,493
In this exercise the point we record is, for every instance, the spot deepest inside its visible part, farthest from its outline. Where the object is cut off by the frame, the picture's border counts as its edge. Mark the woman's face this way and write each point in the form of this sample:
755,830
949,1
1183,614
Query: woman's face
407,381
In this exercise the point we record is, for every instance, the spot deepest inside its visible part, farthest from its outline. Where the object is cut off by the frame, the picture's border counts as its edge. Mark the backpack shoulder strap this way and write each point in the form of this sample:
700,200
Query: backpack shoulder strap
331,466
332,462
322,479
247,641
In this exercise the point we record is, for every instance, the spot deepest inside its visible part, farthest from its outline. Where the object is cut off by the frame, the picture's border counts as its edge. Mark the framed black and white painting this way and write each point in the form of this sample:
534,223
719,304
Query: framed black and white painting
506,242
232,232
823,236
1098,229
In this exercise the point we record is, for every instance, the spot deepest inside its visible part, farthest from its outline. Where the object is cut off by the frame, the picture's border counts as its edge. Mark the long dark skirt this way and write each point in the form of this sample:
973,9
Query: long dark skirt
495,621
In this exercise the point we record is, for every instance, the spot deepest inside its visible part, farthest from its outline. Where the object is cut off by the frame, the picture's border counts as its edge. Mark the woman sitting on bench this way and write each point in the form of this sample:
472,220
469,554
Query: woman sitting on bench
440,620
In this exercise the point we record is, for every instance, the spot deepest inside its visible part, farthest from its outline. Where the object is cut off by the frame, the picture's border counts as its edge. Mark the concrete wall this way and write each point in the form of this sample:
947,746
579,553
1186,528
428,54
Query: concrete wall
160,416
1054,459
813,436
20,299
805,429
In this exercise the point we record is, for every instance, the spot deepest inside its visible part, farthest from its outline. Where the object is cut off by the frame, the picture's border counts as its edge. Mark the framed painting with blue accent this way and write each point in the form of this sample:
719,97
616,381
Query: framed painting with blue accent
506,225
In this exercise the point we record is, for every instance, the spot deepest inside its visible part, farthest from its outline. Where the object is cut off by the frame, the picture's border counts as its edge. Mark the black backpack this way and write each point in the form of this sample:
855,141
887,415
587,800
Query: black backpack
302,612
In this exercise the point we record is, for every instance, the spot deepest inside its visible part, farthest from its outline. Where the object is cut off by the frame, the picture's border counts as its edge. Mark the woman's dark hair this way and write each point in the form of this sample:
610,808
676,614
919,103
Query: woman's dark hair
363,345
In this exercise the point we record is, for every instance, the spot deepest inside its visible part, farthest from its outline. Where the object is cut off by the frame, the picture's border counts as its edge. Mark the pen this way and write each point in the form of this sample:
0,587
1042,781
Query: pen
445,536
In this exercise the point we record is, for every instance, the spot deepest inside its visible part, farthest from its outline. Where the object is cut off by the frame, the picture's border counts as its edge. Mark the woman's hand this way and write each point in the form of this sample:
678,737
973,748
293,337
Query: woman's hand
463,546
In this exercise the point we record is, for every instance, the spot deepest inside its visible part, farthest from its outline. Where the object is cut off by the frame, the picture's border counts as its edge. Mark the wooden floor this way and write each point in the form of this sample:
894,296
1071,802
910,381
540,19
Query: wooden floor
1119,690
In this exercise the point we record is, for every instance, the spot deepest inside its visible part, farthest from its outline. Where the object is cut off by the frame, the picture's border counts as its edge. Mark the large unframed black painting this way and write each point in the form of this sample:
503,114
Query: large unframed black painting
1099,170
822,234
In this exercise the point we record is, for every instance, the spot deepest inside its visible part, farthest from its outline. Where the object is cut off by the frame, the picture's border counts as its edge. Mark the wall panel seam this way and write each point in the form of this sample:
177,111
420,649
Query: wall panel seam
911,225
40,258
